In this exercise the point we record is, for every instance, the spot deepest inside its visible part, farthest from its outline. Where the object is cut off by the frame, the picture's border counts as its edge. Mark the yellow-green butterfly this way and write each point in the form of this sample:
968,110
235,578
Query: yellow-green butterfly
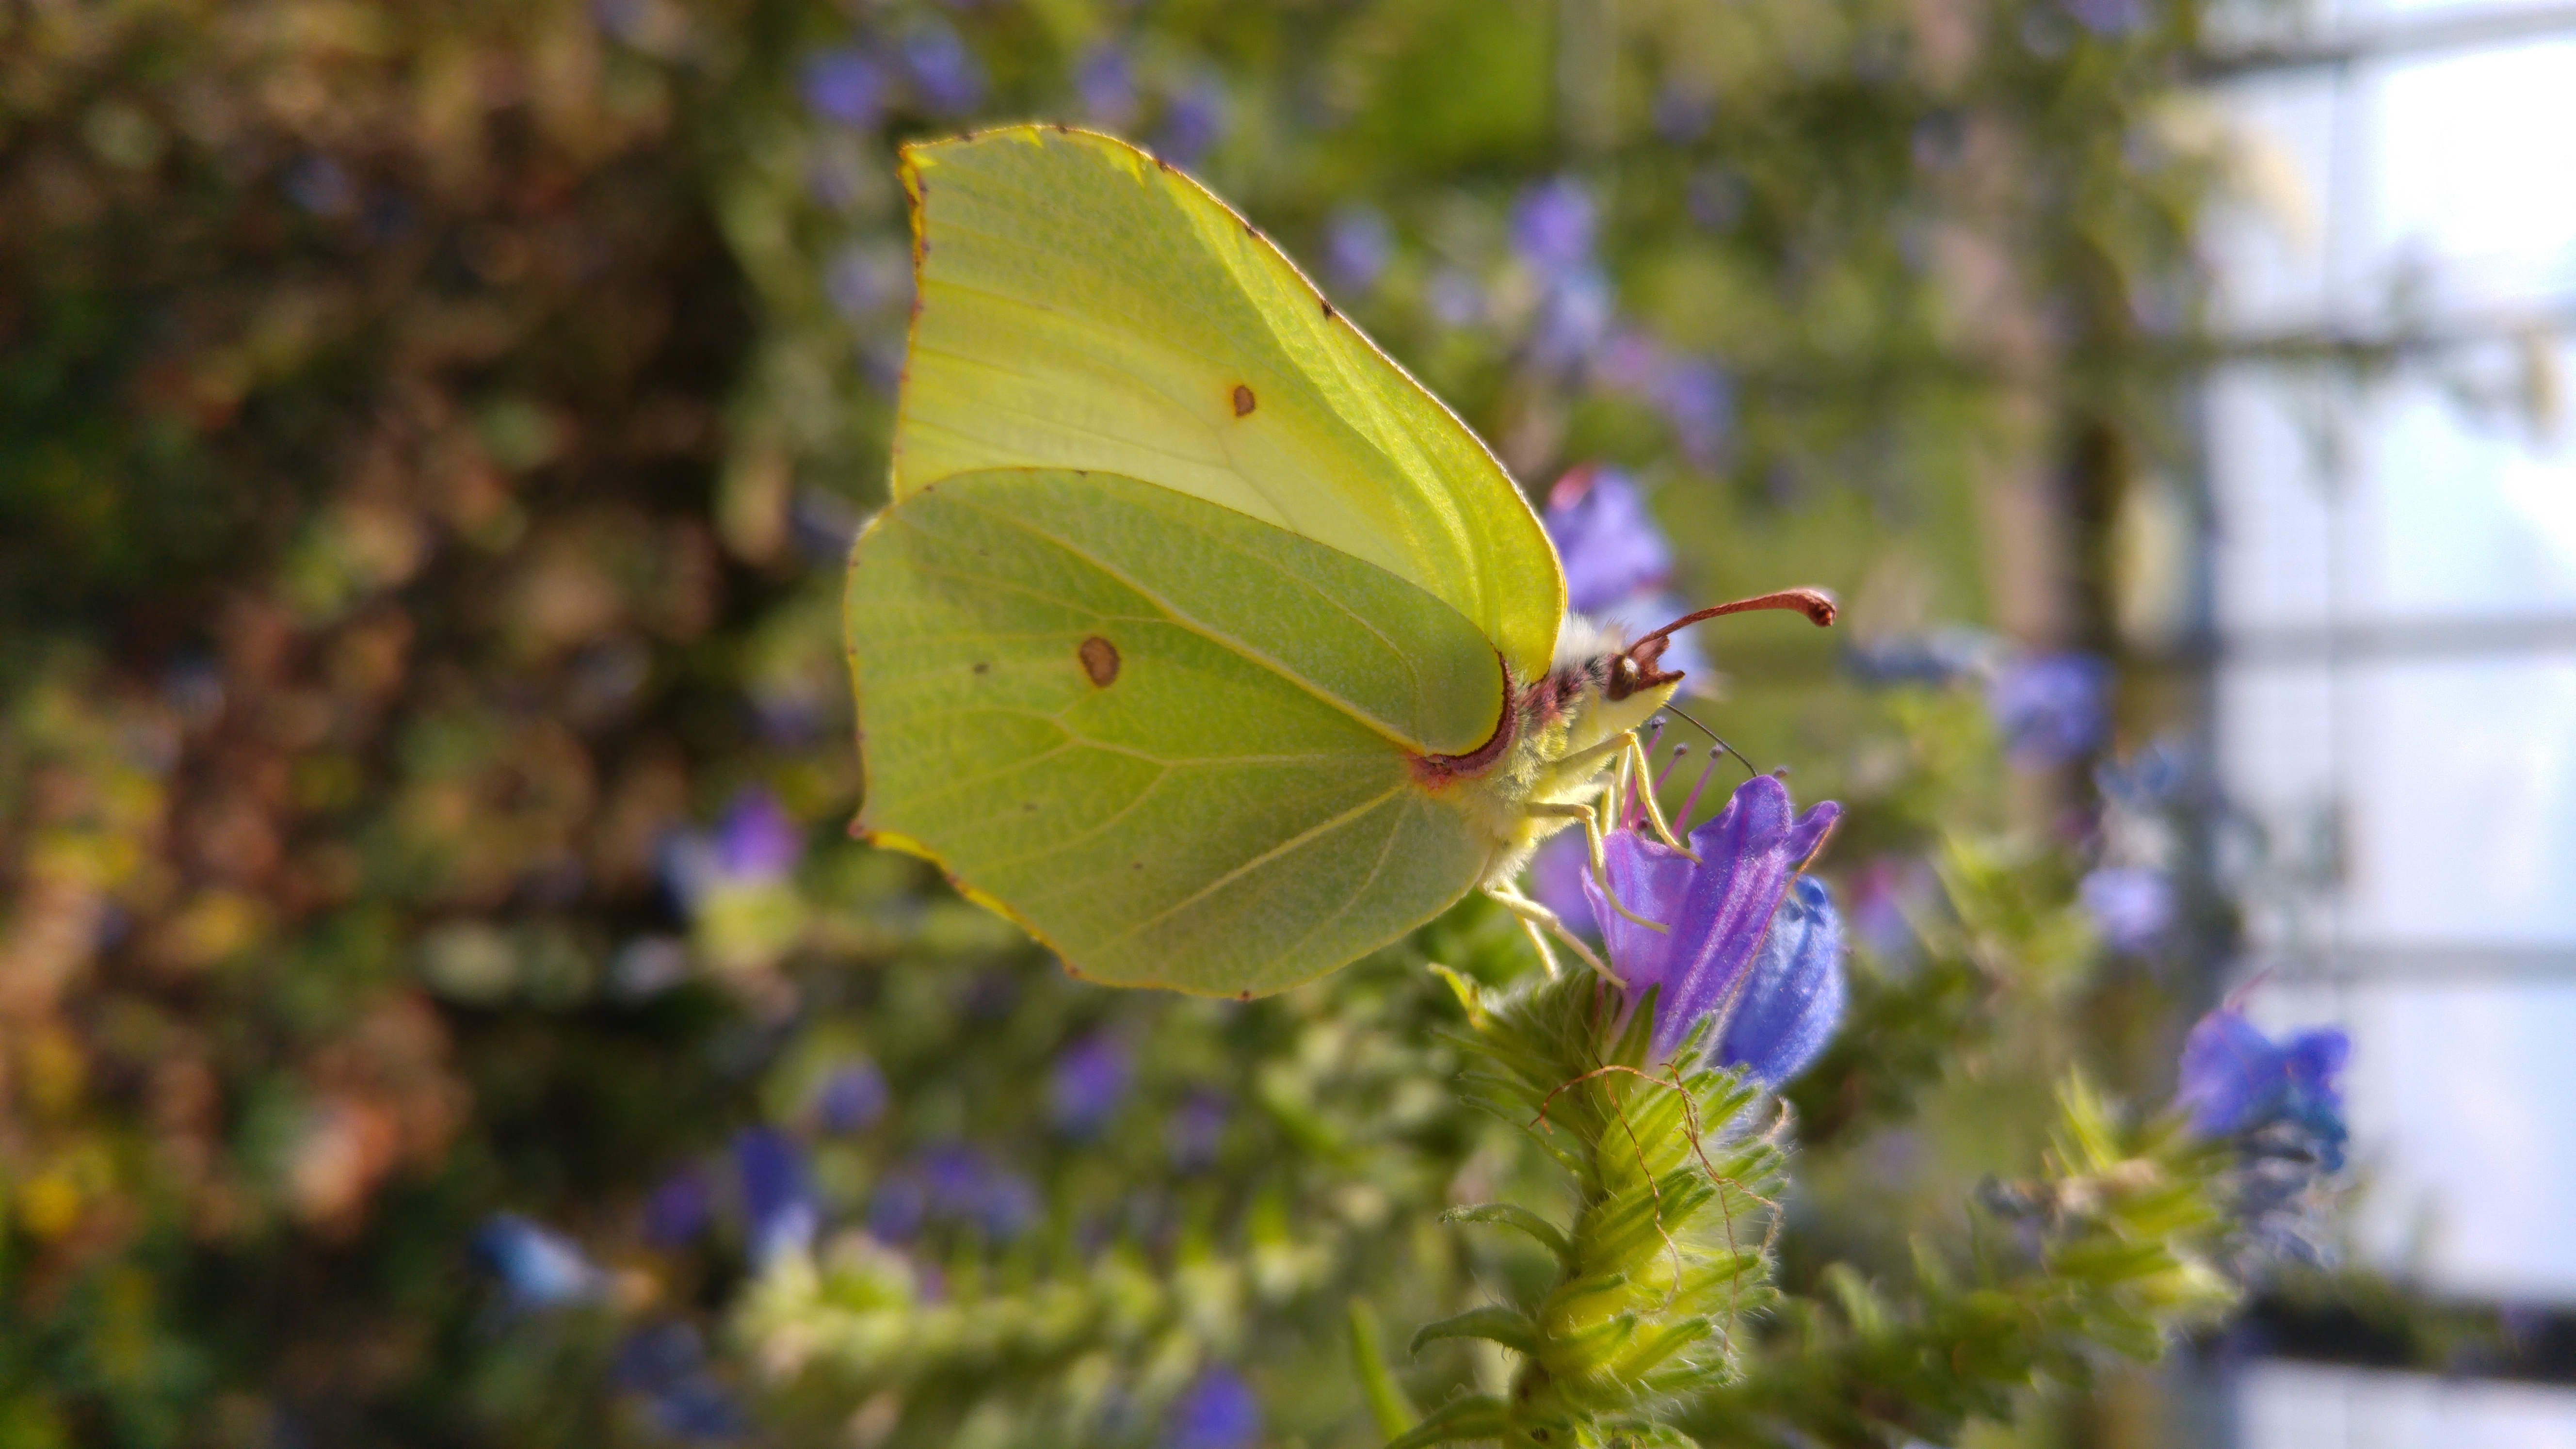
1198,638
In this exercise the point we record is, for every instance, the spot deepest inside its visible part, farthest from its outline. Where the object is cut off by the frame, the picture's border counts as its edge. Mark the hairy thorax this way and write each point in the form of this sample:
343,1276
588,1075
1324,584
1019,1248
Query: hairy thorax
1550,748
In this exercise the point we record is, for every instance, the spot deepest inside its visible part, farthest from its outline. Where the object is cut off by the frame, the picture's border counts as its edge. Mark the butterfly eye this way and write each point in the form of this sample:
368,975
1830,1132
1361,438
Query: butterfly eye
1623,677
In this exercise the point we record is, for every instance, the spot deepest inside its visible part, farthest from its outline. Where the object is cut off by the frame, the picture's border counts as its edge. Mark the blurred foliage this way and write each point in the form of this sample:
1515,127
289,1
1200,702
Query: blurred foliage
429,437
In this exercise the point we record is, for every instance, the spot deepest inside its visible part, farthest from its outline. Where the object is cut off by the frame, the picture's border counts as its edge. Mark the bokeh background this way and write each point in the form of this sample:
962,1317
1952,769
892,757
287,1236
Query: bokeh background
439,1002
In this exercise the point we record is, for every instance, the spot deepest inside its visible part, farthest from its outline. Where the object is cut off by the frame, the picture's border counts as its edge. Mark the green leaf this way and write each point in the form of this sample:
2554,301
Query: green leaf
1476,1416
1507,1215
1393,1412
1507,1326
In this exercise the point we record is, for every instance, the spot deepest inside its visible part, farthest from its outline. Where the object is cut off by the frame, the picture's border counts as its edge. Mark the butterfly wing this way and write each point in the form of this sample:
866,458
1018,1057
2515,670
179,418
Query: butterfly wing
1170,740
1083,306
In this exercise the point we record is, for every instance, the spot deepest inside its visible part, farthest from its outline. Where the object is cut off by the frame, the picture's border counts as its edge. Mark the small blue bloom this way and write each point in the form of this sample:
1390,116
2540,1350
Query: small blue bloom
1936,657
1217,1411
1574,318
757,841
1682,114
1793,1001
2236,1081
679,1208
853,1098
1609,544
863,281
1089,1082
1358,243
666,1364
2052,708
1556,881
2130,906
1717,911
1105,80
1552,225
2156,777
1455,297
2110,17
1697,399
961,1184
898,1207
843,85
777,1198
946,77
1195,1131
1195,120
538,1268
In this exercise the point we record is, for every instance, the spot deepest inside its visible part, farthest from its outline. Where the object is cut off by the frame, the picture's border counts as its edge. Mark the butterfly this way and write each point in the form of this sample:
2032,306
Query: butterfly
1198,638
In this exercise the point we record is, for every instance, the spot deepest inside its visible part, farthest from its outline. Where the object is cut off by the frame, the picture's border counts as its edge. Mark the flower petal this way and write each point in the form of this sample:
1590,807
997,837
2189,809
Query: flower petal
1649,877
1793,1001
1748,854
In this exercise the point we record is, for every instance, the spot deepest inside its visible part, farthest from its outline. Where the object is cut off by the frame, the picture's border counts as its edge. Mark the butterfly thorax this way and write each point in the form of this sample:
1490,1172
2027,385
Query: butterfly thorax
1538,756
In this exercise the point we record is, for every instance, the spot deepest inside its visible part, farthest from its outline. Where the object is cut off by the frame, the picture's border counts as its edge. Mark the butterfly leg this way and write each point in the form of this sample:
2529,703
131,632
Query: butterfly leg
1635,759
1600,864
1630,753
1538,919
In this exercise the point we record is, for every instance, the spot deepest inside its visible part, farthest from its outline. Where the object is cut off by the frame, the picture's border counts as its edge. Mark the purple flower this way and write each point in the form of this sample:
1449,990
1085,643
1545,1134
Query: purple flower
2052,708
843,85
961,1184
2129,905
1697,400
1610,545
946,77
1573,318
1883,896
1793,1001
777,1198
757,840
898,1207
1217,1411
1455,297
1936,657
1552,225
2236,1081
1357,245
1718,911
1106,82
667,1365
678,1209
853,1098
2109,17
1195,1131
538,1267
1557,874
1089,1082
862,281
1195,120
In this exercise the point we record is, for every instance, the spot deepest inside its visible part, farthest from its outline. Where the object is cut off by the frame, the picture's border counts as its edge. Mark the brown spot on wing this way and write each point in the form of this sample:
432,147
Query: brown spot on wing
1099,660
1328,309
1243,403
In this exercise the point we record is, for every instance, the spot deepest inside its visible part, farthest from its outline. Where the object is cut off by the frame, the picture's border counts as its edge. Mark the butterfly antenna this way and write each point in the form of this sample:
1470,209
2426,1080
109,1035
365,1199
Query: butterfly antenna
1722,746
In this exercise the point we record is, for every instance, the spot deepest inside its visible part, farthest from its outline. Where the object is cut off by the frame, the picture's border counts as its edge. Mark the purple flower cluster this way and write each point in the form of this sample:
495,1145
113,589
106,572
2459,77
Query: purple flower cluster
2052,709
2280,1103
1217,1411
1089,1084
953,1182
780,1217
1766,980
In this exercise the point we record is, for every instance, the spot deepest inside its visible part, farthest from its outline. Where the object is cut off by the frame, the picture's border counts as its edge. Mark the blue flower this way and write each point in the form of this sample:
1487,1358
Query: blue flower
844,85
2236,1081
1936,657
1194,1132
1455,297
1556,881
853,1098
679,1208
2052,708
1611,549
321,186
1195,120
666,1364
946,77
1217,1411
1552,225
1106,82
961,1184
1718,910
1697,399
1358,243
777,1198
1793,1001
2110,17
538,1268
862,281
2130,906
898,1207
1089,1082
757,840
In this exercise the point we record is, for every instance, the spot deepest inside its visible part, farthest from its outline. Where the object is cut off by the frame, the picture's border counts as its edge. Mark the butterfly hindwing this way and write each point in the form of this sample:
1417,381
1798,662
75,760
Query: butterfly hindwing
1169,739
